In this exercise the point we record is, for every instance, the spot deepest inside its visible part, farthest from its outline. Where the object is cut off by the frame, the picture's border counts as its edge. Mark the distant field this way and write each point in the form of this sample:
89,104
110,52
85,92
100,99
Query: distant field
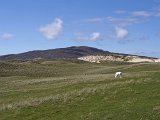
77,90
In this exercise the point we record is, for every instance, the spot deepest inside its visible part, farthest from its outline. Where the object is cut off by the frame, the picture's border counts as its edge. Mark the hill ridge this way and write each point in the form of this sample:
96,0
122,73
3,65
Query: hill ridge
84,53
68,52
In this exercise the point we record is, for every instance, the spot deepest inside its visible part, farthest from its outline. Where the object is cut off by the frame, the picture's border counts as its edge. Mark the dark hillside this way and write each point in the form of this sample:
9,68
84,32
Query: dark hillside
69,52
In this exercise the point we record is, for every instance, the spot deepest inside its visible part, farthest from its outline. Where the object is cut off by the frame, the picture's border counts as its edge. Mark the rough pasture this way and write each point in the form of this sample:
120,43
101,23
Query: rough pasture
74,90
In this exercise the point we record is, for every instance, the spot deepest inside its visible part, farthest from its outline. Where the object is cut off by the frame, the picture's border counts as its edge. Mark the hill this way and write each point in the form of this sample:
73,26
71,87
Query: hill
84,53
66,53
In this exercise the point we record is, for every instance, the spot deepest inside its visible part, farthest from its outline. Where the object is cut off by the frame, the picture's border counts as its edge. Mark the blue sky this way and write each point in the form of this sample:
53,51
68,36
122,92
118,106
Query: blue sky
124,26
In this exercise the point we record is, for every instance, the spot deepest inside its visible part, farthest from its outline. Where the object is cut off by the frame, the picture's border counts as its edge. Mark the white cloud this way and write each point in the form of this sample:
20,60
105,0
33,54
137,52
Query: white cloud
123,21
121,33
7,36
152,13
141,13
95,36
92,37
53,30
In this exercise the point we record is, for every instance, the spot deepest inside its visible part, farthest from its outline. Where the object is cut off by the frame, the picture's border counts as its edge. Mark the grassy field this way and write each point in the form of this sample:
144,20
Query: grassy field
75,90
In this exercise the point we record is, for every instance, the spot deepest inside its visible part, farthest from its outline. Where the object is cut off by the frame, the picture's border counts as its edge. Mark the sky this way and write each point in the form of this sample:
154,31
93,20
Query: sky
123,26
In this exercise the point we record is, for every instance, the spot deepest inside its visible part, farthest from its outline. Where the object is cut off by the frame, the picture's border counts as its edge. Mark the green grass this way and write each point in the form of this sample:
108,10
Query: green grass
74,90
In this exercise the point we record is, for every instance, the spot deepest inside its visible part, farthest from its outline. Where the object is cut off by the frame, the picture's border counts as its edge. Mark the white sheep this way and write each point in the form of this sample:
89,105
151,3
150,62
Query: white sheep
118,74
